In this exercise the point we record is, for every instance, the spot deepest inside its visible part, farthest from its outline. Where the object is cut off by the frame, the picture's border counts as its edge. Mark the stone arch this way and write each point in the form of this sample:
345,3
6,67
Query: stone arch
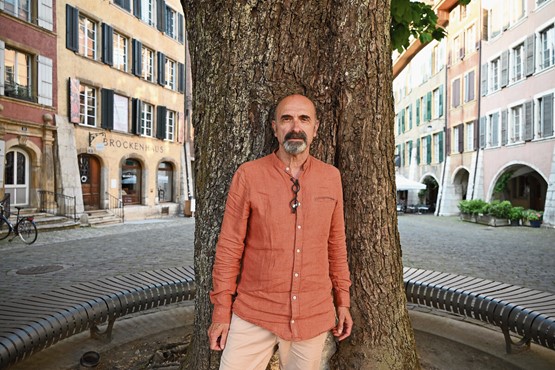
460,180
34,171
134,182
431,192
524,185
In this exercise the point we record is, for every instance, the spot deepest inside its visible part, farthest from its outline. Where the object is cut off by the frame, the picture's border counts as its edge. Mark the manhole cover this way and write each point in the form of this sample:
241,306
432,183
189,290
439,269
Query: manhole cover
37,270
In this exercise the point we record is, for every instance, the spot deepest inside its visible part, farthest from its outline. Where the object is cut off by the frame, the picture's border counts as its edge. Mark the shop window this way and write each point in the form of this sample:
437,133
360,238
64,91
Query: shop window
131,175
165,182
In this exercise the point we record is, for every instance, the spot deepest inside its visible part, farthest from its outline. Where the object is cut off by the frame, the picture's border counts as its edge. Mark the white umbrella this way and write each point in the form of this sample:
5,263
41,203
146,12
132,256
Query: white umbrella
402,183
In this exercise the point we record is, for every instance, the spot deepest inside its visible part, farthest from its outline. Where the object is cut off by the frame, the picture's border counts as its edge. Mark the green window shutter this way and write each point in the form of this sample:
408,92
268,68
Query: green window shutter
440,101
418,151
441,147
410,117
429,106
409,149
402,154
418,112
428,149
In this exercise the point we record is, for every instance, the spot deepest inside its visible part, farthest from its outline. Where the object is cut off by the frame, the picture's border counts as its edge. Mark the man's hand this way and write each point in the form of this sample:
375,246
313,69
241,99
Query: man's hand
345,323
218,336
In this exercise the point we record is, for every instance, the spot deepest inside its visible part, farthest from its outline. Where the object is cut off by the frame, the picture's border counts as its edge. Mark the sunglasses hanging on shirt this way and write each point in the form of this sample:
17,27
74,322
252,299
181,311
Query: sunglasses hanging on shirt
295,202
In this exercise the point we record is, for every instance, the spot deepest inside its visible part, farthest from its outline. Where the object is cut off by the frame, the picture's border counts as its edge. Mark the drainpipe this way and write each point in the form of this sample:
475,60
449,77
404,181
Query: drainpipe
479,97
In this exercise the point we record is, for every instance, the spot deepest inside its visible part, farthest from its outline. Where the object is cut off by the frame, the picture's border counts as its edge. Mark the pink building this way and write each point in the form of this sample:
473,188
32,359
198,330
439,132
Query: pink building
27,99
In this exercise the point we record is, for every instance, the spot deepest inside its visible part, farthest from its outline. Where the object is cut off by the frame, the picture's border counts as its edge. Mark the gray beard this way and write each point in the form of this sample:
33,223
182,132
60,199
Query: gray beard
293,147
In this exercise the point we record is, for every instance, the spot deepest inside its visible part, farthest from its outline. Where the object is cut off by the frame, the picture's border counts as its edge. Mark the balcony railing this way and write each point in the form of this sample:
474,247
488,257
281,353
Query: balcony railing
18,91
57,204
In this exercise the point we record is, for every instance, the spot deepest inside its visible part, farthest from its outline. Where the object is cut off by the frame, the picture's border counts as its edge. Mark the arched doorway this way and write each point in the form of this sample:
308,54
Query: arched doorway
461,183
131,178
165,182
16,177
89,170
428,196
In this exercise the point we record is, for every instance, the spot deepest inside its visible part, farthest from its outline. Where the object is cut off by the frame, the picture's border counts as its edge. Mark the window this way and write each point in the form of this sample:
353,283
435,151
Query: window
131,181
170,125
493,130
16,175
87,105
470,136
148,64
517,10
121,113
457,51
470,39
493,74
463,11
515,124
170,73
165,181
17,75
547,47
87,37
456,93
171,24
147,11
437,96
456,140
125,4
517,63
495,19
469,86
19,8
120,52
146,119
438,147
438,57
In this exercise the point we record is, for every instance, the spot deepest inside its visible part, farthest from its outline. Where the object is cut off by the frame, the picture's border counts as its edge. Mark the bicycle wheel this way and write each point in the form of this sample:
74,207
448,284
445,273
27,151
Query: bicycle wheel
4,228
27,231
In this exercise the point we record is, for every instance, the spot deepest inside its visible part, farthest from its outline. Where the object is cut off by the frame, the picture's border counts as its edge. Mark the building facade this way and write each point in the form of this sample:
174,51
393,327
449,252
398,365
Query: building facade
28,99
121,113
420,123
499,126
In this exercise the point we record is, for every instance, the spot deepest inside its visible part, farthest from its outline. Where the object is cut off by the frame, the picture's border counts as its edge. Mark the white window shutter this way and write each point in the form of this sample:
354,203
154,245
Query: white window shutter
45,80
1,4
2,66
46,18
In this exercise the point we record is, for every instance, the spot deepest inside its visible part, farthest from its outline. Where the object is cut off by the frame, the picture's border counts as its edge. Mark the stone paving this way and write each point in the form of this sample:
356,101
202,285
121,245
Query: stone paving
94,252
516,255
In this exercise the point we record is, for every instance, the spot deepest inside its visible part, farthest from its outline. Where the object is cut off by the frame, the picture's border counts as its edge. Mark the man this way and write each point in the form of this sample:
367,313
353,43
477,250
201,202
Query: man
281,253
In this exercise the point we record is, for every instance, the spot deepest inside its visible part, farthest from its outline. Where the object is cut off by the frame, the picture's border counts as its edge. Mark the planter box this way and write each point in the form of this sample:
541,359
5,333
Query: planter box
468,218
492,221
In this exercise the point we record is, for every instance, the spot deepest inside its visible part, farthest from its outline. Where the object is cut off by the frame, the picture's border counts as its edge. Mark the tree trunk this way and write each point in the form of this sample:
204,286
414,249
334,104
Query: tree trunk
246,55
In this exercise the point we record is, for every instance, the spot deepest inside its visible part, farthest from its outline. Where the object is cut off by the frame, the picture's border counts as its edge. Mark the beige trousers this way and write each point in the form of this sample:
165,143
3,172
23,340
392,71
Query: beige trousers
250,347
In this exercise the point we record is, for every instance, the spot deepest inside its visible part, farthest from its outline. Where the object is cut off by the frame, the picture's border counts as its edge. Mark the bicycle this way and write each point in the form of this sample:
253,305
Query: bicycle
24,226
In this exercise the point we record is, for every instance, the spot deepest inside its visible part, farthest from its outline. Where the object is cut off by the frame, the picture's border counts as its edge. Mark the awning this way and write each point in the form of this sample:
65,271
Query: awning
402,183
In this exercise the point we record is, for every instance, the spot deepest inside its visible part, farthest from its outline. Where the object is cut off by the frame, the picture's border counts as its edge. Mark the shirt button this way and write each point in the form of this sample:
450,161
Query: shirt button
286,168
296,274
298,227
298,251
292,321
294,297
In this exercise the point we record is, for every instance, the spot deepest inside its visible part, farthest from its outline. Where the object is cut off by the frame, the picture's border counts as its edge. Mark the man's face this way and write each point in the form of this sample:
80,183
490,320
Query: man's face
295,125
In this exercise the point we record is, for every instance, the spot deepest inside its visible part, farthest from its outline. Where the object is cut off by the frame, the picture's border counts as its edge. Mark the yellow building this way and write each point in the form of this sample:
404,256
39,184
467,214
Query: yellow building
121,122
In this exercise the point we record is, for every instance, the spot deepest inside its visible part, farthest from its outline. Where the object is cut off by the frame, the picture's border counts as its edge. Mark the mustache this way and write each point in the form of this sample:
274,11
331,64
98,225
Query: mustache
295,135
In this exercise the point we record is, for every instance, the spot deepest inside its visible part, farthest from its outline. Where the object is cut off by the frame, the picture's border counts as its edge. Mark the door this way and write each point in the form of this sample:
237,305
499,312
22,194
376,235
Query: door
16,177
89,169
131,175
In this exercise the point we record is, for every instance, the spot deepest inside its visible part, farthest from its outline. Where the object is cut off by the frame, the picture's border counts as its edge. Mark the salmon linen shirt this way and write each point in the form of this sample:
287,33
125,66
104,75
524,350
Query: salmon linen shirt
277,269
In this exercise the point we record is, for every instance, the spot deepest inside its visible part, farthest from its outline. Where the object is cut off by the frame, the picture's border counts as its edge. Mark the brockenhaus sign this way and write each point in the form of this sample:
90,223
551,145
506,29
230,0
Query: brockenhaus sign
125,144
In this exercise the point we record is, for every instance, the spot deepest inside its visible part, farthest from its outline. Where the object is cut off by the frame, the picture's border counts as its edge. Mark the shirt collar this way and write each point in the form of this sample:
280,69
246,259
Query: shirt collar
277,163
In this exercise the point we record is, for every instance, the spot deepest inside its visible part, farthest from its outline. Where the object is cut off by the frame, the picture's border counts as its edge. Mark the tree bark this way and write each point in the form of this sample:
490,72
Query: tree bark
246,55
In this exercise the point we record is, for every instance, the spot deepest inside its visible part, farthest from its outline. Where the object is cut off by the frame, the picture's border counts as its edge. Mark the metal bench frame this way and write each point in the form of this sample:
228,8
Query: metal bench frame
526,312
39,321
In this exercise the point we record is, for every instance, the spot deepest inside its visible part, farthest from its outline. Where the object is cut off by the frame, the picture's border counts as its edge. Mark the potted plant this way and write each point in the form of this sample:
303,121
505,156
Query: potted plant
534,217
515,215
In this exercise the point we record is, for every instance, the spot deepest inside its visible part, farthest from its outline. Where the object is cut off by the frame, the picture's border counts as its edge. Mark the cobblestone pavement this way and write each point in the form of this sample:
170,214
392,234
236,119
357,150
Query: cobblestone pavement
515,255
94,252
